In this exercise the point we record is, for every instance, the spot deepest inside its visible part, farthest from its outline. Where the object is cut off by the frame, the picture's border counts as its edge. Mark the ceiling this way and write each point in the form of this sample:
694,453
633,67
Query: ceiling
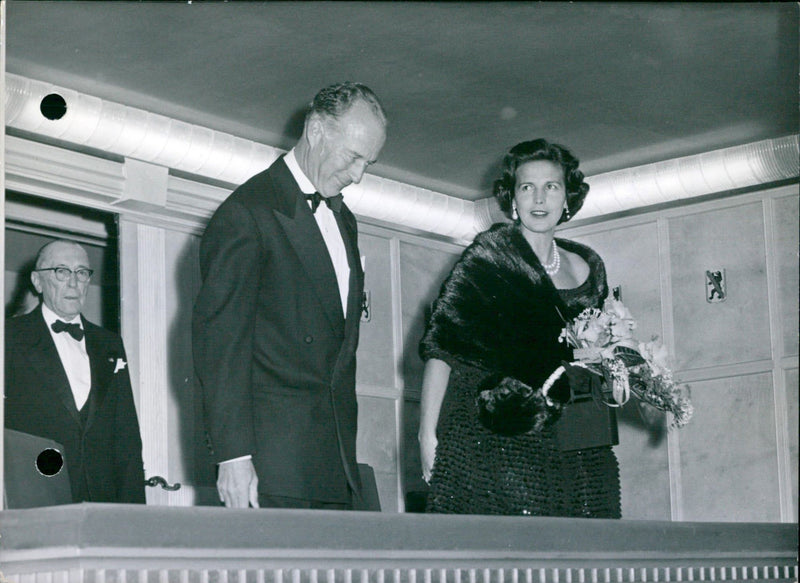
621,84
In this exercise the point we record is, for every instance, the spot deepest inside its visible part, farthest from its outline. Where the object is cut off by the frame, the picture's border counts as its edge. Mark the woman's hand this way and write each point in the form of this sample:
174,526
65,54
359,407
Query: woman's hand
427,454
434,385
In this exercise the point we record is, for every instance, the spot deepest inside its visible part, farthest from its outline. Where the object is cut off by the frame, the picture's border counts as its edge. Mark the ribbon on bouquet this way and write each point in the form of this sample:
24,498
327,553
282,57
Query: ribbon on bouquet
613,362
586,355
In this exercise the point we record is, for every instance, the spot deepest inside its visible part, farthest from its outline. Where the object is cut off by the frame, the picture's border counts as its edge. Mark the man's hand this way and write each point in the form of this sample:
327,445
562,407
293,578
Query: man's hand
237,484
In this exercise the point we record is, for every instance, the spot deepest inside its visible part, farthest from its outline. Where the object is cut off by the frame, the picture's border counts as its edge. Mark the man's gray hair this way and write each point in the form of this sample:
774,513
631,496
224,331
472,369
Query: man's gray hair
335,100
41,254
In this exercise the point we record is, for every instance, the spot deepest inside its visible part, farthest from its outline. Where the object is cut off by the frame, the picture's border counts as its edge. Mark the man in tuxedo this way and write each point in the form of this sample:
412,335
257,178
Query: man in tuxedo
67,380
275,324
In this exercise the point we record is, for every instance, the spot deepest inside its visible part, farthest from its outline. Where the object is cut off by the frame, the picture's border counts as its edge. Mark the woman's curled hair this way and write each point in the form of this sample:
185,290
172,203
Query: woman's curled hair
541,149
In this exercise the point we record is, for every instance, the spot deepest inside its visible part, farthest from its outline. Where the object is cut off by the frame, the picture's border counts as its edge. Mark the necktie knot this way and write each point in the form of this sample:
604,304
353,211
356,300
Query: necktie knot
73,329
334,202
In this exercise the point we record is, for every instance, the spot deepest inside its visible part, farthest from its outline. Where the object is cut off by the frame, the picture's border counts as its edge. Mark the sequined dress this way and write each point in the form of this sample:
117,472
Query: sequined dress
478,471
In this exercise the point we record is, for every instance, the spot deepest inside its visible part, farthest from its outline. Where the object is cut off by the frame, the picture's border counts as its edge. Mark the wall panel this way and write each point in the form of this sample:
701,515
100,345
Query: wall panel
787,243
791,383
728,451
733,331
422,271
377,445
376,347
631,256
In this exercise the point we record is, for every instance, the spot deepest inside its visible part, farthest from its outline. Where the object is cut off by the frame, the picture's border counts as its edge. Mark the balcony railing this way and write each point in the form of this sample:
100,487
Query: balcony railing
104,543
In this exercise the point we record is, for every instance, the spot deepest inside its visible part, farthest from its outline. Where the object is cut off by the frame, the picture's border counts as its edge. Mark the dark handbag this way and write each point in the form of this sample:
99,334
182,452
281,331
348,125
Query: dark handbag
586,423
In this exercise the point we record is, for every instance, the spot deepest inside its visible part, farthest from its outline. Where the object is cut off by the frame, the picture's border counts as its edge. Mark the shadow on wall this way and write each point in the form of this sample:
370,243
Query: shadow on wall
644,419
24,298
199,469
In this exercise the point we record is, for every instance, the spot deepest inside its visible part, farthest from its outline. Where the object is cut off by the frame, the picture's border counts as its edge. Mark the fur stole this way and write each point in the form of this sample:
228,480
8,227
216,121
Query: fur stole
498,311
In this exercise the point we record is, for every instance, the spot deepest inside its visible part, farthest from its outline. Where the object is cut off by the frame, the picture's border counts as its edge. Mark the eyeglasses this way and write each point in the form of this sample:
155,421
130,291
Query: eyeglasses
64,273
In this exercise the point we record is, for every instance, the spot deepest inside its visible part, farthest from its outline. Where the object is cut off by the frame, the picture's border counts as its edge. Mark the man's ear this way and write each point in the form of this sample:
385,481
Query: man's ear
314,130
36,281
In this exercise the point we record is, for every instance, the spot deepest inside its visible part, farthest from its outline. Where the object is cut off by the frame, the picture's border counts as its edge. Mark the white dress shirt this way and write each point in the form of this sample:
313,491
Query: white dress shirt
326,221
73,356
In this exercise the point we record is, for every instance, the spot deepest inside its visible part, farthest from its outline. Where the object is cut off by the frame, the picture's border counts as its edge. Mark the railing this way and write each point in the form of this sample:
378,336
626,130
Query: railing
104,543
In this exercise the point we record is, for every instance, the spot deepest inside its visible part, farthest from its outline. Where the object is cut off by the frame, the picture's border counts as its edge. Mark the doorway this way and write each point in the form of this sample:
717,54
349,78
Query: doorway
32,222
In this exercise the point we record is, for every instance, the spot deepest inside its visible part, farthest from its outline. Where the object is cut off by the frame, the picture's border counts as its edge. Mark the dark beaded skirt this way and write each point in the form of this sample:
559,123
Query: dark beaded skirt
480,472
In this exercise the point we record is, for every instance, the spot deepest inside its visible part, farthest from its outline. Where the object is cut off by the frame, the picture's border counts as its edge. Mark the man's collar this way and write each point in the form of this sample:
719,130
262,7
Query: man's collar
50,316
302,180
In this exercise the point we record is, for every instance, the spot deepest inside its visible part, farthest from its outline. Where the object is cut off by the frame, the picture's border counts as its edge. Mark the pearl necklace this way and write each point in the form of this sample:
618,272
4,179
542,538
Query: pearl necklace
552,268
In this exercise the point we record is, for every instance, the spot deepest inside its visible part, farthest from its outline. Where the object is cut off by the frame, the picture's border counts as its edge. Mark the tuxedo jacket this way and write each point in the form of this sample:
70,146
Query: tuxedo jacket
102,443
273,351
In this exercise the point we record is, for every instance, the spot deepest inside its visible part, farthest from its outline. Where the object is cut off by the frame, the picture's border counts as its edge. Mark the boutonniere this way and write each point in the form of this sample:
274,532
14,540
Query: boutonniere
119,365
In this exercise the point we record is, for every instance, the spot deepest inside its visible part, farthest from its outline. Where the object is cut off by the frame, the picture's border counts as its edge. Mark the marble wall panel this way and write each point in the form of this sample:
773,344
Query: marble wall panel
729,468
422,271
643,465
733,331
376,445
787,243
791,380
376,349
386,483
631,256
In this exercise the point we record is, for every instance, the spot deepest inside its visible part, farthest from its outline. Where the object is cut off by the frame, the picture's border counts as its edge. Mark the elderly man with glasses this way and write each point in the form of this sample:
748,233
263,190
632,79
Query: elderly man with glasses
67,380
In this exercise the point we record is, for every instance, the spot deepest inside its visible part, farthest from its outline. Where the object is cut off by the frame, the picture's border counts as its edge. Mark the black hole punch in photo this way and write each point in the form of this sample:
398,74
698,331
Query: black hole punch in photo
53,106
49,462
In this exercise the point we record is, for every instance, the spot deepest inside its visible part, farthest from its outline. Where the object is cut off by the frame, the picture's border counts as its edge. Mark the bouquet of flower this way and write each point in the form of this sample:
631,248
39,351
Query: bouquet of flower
603,342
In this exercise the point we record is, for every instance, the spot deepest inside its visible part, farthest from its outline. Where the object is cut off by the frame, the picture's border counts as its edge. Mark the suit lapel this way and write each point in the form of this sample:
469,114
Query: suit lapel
303,234
356,285
101,369
44,358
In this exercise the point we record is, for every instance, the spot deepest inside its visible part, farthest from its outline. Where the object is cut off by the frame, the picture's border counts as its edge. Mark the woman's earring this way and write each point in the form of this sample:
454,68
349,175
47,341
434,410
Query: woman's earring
514,214
566,213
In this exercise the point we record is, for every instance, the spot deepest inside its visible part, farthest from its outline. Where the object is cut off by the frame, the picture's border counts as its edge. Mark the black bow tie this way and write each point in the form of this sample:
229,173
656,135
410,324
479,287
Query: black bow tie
334,202
73,330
